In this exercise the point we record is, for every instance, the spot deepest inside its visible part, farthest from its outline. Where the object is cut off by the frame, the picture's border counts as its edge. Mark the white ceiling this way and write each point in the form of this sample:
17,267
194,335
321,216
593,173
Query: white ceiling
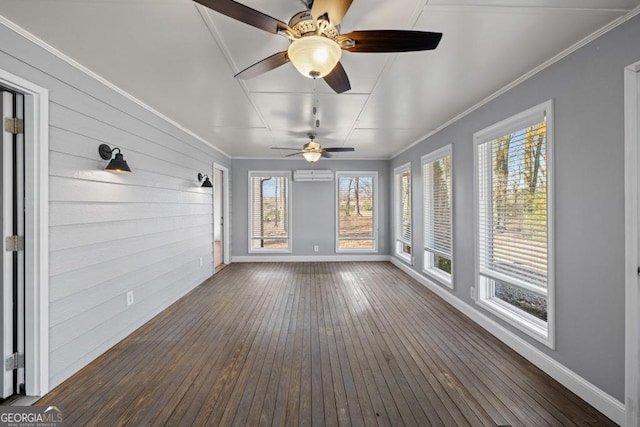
179,58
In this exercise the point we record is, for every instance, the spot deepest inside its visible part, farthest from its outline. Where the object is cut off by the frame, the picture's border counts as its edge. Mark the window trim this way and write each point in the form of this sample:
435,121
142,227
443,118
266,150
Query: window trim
519,319
373,174
397,213
427,267
250,175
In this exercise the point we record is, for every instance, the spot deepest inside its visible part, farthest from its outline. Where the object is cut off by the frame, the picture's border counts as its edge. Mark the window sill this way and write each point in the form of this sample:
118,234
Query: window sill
524,322
270,251
357,251
440,277
407,259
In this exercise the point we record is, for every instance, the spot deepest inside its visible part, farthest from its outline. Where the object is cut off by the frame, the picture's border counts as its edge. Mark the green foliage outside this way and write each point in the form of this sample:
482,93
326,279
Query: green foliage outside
443,264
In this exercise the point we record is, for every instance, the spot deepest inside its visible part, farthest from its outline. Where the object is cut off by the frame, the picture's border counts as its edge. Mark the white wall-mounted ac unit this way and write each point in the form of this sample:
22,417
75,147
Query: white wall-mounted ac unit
313,175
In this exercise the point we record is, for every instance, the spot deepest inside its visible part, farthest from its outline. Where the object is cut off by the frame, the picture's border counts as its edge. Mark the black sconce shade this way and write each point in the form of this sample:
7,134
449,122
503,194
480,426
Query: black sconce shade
206,183
118,163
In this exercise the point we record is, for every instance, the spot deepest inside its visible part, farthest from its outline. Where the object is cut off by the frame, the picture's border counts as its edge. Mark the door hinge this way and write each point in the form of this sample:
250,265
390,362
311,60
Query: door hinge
14,361
14,126
14,243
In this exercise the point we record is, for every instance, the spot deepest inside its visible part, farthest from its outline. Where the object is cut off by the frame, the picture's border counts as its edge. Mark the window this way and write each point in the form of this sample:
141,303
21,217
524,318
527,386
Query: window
403,212
356,217
438,215
269,210
514,221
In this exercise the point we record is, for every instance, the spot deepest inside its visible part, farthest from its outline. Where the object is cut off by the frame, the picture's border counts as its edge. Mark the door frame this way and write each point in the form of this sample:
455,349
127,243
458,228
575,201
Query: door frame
226,257
36,173
632,240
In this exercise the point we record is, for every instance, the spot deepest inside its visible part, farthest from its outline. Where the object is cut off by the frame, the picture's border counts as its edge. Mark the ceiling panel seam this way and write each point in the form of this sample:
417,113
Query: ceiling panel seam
215,34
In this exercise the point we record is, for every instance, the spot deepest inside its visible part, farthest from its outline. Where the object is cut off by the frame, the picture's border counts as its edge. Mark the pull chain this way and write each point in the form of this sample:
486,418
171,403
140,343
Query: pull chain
315,103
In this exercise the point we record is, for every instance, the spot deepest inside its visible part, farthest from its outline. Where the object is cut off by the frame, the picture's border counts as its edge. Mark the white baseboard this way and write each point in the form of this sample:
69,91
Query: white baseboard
310,258
603,402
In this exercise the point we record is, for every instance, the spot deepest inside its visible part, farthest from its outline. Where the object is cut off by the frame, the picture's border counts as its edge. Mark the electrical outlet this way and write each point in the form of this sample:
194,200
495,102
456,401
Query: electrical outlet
129,298
473,293
200,261
316,248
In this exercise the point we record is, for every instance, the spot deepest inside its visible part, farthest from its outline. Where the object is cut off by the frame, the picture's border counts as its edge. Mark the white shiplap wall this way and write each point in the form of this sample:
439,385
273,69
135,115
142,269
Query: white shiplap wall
144,232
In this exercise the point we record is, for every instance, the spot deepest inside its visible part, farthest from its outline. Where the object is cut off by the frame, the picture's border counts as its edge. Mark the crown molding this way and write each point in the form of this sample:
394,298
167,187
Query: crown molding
52,50
613,24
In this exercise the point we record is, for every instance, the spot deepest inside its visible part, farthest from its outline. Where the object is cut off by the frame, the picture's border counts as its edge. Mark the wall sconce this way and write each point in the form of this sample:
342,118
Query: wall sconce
206,183
118,163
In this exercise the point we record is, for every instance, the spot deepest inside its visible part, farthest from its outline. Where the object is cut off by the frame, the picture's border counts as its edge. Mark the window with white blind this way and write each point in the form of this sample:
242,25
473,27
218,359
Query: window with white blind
269,211
514,221
438,208
356,216
402,176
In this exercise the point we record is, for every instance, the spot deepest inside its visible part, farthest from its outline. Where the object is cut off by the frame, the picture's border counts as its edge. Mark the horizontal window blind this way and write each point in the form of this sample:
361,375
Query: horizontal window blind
405,207
269,200
437,206
512,217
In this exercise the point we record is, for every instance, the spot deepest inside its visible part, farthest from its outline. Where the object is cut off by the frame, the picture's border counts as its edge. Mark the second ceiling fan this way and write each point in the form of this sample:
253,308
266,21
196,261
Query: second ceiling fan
312,151
316,42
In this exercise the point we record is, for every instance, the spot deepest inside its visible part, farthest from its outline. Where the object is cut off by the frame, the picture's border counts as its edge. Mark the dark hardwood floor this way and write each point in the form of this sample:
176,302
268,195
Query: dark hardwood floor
312,344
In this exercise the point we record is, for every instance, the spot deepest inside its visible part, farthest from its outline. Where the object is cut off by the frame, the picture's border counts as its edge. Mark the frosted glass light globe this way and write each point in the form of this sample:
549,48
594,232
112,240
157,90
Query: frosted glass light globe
314,56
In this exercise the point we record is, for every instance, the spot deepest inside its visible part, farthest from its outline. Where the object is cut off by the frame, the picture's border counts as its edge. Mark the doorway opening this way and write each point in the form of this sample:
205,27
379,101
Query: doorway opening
220,215
12,308
24,313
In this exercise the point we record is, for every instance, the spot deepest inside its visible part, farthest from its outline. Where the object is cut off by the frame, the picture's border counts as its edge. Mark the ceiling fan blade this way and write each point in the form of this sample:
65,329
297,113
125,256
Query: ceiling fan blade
326,155
267,64
245,14
339,149
283,148
391,41
337,79
294,154
333,10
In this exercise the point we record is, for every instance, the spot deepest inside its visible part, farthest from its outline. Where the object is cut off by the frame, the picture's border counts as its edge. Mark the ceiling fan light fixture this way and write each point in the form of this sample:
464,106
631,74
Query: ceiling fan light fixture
314,56
312,156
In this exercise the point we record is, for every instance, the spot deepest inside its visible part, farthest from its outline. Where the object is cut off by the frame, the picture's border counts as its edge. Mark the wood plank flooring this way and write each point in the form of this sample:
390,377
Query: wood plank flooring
313,344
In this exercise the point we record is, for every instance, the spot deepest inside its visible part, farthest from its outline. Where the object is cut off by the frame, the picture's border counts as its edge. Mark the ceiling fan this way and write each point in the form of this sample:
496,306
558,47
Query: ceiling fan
312,151
316,43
